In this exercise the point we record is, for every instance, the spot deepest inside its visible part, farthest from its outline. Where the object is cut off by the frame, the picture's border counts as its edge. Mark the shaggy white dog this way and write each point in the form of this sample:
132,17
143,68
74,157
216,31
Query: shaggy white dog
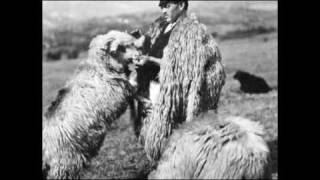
77,121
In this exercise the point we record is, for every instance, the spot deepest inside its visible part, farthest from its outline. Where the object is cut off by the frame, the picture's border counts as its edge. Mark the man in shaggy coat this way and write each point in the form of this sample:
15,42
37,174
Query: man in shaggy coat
191,74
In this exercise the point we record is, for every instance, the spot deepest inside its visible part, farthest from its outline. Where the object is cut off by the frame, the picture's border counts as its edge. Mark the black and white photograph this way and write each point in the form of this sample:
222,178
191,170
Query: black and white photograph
160,89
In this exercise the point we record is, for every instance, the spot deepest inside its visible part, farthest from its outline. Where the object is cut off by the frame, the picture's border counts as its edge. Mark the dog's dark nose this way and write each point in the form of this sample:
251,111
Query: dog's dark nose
136,33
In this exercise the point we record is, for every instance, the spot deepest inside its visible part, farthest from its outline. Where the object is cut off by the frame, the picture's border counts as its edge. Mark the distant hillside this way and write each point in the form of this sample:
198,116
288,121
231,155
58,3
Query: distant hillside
68,34
56,12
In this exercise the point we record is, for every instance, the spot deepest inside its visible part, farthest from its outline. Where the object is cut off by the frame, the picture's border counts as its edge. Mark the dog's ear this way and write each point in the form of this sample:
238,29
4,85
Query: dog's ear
108,44
136,33
113,47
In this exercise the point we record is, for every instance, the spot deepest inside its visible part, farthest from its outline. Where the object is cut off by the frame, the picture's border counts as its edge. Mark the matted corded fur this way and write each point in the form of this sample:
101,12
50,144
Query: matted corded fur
212,147
77,121
191,78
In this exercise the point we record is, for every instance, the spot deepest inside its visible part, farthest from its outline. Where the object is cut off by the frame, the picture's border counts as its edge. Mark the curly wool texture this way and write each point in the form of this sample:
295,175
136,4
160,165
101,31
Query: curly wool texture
211,148
191,78
78,120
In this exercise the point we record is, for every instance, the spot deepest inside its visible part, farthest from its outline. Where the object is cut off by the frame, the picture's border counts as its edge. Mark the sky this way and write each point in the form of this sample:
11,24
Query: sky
87,9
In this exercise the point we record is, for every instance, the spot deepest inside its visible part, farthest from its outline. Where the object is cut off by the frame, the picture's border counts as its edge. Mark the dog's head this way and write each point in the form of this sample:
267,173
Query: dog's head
122,47
239,75
125,47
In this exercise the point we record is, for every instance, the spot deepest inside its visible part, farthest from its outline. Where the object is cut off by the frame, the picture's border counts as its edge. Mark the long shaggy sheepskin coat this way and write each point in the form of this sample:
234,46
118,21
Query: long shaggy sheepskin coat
191,78
215,148
77,121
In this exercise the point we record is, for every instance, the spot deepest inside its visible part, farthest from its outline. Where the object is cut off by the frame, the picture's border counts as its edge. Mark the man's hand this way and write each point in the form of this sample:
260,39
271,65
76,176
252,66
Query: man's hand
143,59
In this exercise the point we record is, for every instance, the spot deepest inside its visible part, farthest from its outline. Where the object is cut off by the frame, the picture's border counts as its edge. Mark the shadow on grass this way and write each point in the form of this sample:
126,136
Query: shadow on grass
145,171
142,175
273,146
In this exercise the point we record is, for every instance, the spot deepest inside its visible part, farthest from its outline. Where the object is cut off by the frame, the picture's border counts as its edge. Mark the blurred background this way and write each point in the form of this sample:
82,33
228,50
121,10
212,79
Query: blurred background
68,26
246,33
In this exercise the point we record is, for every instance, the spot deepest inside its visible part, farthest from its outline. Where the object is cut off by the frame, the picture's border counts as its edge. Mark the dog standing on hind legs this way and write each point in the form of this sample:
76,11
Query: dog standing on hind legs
77,121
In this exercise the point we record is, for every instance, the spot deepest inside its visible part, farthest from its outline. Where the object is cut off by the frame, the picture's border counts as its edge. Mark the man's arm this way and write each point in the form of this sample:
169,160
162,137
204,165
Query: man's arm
148,59
155,60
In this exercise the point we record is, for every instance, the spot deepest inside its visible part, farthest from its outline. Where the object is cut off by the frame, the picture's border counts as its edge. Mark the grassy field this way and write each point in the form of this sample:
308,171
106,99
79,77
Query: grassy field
122,157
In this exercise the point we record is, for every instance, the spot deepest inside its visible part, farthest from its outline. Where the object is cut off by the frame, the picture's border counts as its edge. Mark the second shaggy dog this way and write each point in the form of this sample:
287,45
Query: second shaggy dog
211,148
251,83
77,121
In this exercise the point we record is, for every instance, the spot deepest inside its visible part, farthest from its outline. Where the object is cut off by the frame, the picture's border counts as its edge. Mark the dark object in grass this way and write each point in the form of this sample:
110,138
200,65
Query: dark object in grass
251,83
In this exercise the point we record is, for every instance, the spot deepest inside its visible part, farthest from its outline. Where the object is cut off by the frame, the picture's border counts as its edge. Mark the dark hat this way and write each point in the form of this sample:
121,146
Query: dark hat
163,3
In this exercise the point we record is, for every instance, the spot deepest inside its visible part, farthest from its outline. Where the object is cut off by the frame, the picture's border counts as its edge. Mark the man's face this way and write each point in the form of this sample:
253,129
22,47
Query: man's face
171,12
